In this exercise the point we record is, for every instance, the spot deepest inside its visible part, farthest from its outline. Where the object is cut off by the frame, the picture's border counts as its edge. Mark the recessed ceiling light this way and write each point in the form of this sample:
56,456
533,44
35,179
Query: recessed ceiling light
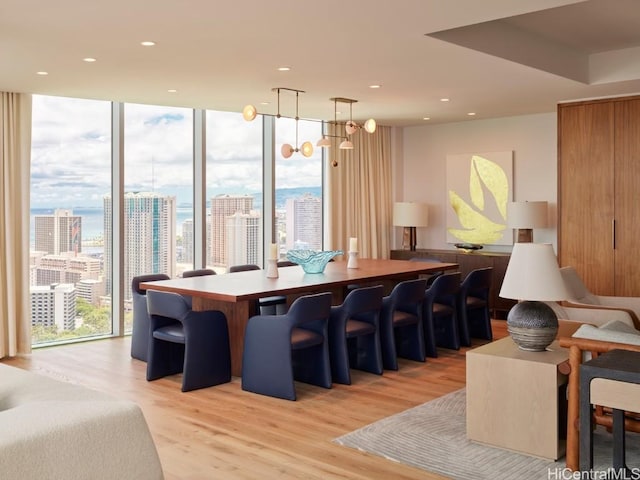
172,90
471,114
375,86
42,73
444,99
426,118
147,43
89,59
284,69
265,103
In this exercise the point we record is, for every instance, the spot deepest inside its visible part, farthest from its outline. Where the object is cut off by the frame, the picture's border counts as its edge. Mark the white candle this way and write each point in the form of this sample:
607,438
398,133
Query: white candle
353,244
273,252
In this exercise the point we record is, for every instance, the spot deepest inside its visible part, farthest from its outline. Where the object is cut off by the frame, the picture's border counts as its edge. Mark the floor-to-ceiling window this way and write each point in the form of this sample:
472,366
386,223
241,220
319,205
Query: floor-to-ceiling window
298,189
158,192
70,174
73,238
234,194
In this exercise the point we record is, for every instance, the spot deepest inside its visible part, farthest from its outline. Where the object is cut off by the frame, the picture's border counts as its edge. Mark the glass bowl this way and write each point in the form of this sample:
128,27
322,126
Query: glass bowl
312,261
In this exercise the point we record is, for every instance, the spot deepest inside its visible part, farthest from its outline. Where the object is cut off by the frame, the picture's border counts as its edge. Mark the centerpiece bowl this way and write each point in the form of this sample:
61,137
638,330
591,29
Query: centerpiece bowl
312,261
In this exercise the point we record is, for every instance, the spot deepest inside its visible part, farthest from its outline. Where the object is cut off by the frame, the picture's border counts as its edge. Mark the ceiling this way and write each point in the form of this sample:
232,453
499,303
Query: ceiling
495,58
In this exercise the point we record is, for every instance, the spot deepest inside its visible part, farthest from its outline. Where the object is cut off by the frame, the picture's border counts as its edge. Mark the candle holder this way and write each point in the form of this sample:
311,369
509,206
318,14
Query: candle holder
353,260
272,268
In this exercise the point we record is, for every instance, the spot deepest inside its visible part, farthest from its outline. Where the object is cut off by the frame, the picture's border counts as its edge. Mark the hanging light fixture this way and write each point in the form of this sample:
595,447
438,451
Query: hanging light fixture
325,141
352,127
249,113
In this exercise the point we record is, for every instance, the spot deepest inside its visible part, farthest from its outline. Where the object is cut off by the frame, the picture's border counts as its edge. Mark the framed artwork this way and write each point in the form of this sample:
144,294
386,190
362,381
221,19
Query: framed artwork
479,187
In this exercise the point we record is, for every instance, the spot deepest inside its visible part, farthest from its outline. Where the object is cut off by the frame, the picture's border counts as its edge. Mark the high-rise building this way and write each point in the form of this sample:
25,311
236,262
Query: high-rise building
244,234
54,305
65,268
304,222
58,233
149,236
223,206
91,290
187,241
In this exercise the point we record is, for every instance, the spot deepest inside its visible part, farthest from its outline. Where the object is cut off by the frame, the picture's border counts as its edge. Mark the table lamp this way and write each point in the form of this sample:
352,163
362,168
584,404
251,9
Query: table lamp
410,215
533,277
525,216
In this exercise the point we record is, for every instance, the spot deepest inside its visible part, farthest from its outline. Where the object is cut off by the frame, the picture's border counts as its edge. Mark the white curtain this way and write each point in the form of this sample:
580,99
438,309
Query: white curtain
360,192
15,161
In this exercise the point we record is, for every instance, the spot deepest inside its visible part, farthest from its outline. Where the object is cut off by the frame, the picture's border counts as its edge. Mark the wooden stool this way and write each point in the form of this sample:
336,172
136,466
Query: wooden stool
611,380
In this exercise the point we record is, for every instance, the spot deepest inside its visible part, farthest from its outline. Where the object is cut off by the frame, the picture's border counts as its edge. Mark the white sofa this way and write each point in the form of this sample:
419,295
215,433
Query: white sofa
55,430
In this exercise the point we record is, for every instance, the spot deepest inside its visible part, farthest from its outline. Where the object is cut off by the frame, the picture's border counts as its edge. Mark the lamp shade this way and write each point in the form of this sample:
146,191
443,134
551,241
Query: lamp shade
527,214
533,274
410,214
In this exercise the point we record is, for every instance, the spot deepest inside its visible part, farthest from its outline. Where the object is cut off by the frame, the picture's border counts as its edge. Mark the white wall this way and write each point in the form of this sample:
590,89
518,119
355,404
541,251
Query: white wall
419,172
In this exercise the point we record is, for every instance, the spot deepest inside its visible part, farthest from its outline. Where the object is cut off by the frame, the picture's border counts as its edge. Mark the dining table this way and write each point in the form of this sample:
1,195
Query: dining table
236,294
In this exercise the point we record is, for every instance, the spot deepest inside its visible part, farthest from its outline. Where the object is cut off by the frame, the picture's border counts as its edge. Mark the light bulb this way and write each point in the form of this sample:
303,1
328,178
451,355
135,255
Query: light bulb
307,149
370,125
286,150
351,127
249,112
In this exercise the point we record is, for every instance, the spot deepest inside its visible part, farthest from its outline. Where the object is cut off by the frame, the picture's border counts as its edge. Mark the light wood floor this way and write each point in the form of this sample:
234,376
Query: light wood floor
225,433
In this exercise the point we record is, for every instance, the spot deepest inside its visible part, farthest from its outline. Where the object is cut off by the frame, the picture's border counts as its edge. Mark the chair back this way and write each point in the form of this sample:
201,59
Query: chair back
286,263
477,283
152,277
363,301
310,308
167,304
408,295
443,289
243,268
201,272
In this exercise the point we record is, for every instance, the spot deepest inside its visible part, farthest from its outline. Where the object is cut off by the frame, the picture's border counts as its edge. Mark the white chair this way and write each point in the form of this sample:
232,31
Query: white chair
593,316
581,296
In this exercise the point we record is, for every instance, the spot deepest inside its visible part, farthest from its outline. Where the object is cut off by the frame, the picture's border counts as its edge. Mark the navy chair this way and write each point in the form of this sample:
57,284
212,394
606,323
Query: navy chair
279,349
354,336
200,272
276,305
432,276
195,344
286,263
473,306
440,311
401,331
141,323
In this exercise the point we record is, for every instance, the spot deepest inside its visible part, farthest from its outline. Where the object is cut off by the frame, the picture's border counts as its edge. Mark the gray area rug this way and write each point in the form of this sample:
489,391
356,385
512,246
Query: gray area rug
433,437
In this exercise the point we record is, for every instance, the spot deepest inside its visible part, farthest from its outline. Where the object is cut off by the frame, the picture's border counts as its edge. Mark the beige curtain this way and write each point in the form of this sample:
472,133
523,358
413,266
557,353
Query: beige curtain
15,161
359,189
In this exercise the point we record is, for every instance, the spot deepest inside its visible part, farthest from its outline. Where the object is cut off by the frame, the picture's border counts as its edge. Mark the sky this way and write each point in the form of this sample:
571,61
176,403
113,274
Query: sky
71,150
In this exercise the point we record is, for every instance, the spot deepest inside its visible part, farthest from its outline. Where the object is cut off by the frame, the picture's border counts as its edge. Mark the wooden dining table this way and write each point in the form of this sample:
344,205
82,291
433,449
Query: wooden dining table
235,294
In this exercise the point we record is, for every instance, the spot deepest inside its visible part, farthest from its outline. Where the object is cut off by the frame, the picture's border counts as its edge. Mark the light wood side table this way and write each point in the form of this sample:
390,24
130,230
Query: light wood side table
513,398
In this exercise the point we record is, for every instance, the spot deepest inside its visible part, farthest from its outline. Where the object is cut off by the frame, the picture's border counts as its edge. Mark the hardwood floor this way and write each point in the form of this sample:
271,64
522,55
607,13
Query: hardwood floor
225,433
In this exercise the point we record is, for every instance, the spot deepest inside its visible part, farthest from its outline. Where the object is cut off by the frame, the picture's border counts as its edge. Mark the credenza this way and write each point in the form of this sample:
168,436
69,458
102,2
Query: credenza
468,262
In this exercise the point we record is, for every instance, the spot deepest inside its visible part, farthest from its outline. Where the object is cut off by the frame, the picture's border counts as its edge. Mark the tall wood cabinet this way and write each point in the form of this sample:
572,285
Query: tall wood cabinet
599,193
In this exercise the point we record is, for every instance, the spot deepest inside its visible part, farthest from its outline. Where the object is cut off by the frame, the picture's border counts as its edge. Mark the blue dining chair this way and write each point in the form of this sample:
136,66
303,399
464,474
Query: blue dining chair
279,349
473,306
440,310
141,323
195,344
401,331
199,272
354,335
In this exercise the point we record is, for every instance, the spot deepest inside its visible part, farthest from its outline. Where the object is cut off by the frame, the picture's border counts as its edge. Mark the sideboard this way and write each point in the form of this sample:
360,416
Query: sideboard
468,262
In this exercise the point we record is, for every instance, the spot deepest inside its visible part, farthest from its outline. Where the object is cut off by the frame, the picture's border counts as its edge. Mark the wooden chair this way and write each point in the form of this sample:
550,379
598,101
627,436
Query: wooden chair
577,348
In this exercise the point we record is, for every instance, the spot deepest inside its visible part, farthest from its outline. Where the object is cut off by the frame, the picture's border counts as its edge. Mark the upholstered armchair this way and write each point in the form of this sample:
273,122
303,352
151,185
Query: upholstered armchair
581,296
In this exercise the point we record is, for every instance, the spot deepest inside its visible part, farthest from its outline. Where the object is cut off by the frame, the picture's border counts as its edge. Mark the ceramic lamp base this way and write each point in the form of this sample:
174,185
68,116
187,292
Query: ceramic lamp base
532,325
272,269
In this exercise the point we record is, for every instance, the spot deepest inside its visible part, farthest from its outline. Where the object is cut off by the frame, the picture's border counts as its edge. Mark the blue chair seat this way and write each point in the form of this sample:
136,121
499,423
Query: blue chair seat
404,318
440,320
272,301
356,328
301,338
141,323
170,333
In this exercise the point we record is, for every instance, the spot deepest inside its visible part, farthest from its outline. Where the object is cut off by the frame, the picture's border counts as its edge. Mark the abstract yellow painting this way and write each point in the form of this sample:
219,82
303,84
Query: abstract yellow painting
479,187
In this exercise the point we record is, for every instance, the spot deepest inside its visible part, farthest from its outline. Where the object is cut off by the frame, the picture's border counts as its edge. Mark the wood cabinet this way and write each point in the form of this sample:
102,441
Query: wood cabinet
598,193
468,262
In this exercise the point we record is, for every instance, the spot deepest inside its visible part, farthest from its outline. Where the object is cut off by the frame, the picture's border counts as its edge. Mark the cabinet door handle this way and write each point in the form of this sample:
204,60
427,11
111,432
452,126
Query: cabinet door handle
613,233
